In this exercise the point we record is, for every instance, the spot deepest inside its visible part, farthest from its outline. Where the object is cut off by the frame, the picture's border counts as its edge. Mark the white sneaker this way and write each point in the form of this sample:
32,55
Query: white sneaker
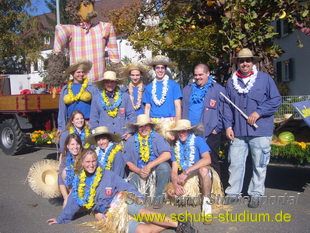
206,207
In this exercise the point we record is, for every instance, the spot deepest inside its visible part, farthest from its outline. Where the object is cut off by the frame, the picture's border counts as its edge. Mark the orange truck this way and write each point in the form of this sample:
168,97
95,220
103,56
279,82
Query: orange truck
22,114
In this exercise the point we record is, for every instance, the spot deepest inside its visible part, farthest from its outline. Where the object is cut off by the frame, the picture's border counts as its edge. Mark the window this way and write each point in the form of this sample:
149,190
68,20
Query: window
283,27
284,70
47,40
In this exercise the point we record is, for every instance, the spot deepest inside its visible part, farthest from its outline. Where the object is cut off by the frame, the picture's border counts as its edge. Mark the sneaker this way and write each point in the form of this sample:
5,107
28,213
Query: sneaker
206,206
185,227
254,202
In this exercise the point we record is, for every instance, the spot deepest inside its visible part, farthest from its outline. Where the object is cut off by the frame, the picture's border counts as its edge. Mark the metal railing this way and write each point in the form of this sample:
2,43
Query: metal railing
287,108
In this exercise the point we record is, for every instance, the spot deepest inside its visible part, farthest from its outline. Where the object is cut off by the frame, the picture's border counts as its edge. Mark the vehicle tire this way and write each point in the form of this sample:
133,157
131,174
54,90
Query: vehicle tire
12,139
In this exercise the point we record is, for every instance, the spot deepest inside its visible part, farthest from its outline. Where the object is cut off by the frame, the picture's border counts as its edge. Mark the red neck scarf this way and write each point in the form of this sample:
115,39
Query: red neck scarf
244,76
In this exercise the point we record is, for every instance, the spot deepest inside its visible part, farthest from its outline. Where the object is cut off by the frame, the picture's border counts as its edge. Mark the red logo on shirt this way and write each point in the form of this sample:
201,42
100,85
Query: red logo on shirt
108,191
122,111
212,102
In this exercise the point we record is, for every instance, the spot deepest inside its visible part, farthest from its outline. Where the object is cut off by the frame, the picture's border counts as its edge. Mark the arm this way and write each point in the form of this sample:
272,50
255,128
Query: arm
179,190
62,112
147,109
62,35
94,112
177,105
165,156
112,45
134,168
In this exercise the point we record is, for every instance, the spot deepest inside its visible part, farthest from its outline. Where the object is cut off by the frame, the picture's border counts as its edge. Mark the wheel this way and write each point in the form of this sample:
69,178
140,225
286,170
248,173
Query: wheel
12,139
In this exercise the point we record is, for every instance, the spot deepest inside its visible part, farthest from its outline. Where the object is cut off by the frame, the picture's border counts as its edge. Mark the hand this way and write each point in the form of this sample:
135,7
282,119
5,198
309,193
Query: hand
142,174
52,221
58,133
126,136
253,118
179,190
214,132
181,179
230,134
146,170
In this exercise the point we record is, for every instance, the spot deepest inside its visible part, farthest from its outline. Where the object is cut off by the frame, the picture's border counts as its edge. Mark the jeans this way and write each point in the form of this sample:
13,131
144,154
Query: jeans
162,171
237,155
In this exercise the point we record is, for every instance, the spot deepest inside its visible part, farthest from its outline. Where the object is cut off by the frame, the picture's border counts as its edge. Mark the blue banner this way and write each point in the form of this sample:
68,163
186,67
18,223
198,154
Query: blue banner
303,108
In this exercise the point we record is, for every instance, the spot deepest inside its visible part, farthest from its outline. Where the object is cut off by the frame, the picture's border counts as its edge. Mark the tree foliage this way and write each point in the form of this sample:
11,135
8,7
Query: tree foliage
193,31
20,40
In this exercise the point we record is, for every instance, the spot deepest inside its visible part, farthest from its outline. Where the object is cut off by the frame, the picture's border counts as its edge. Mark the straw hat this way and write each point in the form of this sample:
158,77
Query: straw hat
103,130
43,178
245,53
142,119
125,70
108,75
161,60
185,124
81,65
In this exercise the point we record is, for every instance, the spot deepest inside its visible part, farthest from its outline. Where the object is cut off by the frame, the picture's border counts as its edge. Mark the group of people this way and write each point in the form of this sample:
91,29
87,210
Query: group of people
150,135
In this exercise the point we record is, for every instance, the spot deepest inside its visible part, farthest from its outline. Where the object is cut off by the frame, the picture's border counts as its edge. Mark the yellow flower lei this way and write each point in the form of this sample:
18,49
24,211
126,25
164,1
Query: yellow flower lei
92,194
144,150
177,157
111,157
78,96
111,113
139,100
87,133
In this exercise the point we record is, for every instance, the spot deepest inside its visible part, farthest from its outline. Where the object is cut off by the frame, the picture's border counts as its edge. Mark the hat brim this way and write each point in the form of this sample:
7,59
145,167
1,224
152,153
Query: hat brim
125,71
134,126
86,66
234,60
43,178
117,138
197,129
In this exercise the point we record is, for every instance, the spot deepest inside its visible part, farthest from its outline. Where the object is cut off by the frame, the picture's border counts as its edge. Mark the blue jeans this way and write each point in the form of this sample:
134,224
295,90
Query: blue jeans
162,171
237,155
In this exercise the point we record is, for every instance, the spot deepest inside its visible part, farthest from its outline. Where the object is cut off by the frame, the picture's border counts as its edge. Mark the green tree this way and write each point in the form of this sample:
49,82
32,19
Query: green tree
205,31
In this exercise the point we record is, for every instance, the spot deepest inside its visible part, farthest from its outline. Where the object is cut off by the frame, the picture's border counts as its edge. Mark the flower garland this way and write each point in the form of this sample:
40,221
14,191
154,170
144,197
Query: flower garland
69,169
140,92
185,153
111,110
106,159
144,146
197,99
86,199
248,86
163,93
73,97
83,135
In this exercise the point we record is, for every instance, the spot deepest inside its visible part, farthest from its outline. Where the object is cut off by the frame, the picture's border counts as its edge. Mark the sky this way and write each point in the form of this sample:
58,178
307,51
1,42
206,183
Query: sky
42,8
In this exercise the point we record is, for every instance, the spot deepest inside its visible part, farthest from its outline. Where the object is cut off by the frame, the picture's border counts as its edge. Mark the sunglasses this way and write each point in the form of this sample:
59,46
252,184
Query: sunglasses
248,60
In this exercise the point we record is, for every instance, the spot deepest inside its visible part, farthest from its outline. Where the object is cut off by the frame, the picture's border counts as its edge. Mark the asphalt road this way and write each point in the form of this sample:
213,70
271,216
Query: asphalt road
21,210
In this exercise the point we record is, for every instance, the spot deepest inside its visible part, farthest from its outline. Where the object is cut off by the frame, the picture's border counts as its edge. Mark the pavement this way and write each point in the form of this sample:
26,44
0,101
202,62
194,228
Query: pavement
22,210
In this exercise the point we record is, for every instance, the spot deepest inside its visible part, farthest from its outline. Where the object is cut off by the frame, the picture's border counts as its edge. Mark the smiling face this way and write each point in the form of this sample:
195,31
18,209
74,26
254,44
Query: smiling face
78,121
135,76
144,130
245,65
201,76
78,76
73,147
89,163
160,71
109,85
183,135
103,141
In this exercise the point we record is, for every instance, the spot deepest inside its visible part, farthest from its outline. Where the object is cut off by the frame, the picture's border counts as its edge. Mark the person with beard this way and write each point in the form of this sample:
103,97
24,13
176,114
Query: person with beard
256,94
85,37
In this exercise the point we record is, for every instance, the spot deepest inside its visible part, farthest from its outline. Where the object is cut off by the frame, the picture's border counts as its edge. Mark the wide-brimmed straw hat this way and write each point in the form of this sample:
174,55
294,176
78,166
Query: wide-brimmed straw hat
245,53
43,178
81,65
142,119
108,75
103,130
125,70
161,60
185,124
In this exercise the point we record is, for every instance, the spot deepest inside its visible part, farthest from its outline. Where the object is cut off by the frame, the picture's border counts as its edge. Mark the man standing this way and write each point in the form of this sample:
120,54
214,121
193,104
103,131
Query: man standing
256,94
202,103
111,107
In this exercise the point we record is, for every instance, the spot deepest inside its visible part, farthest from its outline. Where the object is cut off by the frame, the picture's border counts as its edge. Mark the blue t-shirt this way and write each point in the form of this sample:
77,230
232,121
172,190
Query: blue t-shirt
195,109
82,106
167,109
200,147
